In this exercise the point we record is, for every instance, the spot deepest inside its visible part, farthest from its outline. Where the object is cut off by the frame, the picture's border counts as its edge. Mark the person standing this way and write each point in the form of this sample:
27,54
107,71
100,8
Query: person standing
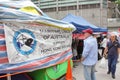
112,49
89,55
74,51
103,44
119,38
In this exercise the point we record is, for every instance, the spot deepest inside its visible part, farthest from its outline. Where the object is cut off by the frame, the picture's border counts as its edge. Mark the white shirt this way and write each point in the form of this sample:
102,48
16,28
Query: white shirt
104,42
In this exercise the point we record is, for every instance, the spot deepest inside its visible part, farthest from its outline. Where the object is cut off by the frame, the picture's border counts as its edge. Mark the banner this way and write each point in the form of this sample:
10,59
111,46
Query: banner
28,41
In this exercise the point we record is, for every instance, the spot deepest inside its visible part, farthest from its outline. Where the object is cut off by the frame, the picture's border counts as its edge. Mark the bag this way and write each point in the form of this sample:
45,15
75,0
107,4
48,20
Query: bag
106,56
103,63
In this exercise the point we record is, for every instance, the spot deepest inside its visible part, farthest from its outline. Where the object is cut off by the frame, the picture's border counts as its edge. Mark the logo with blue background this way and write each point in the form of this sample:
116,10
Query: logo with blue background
24,41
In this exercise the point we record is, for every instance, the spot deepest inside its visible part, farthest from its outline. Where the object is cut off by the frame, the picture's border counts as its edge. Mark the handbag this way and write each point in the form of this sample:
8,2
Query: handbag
103,63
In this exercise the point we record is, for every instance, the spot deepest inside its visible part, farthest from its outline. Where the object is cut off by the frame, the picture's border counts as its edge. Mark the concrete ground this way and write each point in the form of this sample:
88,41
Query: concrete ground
101,73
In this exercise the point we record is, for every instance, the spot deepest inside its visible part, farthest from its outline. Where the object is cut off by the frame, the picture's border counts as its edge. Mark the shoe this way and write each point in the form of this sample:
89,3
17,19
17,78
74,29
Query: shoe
74,78
108,72
74,66
113,76
117,61
95,70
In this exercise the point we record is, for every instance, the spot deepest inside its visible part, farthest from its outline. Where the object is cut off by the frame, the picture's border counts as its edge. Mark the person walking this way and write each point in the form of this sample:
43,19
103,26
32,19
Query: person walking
112,49
89,55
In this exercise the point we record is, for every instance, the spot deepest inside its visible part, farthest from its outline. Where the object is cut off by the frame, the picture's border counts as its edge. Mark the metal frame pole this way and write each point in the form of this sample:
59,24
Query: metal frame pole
101,9
8,77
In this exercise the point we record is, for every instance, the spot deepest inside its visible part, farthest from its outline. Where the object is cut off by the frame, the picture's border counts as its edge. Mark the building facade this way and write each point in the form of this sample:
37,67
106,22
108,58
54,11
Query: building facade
113,16
94,11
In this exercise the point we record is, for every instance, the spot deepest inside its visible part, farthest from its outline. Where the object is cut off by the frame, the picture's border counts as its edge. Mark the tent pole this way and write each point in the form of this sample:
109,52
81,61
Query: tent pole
8,77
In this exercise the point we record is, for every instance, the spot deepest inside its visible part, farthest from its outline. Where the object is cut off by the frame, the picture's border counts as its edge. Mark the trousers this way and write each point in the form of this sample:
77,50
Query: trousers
112,61
89,72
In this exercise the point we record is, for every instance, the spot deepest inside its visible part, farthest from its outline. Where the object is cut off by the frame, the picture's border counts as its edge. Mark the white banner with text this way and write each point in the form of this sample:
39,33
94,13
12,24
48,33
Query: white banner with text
28,41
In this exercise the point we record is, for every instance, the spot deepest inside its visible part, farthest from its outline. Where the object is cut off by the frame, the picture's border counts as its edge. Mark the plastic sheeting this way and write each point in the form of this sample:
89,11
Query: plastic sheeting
20,12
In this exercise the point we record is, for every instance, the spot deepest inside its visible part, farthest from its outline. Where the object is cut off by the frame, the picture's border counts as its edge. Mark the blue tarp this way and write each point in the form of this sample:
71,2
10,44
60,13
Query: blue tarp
81,24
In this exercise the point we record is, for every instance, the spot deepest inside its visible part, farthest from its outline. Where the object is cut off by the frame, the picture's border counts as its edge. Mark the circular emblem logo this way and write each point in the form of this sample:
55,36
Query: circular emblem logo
24,41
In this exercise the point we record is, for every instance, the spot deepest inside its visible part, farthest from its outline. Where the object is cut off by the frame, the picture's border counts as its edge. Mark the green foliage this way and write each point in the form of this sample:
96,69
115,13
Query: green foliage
112,0
34,0
117,1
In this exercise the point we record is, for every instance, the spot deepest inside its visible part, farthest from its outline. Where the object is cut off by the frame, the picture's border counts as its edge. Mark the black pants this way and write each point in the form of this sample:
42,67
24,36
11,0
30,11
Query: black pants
103,49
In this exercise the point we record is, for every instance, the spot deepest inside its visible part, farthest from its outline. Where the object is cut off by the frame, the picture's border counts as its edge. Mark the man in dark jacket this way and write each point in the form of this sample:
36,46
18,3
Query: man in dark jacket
112,49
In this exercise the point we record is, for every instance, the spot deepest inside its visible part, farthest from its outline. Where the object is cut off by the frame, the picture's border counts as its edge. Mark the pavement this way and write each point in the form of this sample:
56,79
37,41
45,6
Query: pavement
101,73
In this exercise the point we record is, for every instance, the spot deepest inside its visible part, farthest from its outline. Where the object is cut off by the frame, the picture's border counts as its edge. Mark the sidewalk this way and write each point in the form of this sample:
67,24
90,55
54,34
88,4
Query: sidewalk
101,73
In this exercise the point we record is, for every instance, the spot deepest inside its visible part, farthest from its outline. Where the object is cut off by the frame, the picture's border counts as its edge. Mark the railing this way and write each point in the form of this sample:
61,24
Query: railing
61,3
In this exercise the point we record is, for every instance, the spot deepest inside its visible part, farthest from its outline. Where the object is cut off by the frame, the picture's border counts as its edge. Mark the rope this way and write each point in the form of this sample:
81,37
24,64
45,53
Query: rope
6,75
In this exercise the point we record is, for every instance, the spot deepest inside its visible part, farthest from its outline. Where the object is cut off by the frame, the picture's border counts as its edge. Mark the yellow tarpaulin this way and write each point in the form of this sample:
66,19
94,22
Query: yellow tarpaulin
30,9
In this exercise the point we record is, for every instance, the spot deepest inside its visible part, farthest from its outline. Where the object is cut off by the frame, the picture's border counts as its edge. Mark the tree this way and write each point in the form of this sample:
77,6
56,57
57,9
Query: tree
112,0
117,2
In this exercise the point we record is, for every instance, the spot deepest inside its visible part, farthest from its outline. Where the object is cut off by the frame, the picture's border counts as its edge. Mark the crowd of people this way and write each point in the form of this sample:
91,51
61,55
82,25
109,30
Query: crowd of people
86,51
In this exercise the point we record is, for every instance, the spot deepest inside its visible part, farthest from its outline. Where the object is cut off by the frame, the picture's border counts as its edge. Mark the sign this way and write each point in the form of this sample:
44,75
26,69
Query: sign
28,41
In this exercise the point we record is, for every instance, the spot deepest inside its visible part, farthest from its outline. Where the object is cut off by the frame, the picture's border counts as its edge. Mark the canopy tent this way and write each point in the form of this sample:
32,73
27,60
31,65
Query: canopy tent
81,24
